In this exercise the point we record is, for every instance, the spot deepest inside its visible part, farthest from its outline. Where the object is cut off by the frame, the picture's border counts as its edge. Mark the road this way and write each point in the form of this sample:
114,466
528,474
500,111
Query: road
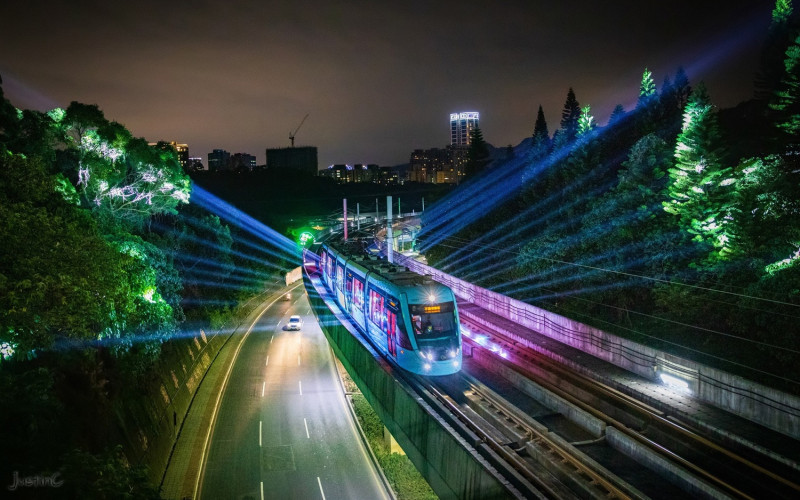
283,428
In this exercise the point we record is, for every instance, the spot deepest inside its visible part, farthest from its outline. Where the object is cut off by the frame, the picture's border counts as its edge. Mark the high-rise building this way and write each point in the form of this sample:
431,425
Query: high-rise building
303,158
218,160
461,127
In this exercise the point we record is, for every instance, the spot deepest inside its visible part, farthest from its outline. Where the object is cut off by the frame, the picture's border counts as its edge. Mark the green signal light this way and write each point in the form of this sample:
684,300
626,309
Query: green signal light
306,239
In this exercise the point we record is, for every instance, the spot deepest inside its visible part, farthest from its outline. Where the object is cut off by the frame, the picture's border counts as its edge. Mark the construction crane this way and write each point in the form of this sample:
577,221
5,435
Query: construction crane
292,134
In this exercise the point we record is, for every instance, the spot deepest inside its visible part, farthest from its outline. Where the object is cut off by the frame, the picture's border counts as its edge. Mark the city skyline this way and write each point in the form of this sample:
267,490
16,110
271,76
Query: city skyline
377,81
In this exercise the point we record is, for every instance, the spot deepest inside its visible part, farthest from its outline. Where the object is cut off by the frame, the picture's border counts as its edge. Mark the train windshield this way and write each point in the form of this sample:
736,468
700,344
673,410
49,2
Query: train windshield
433,321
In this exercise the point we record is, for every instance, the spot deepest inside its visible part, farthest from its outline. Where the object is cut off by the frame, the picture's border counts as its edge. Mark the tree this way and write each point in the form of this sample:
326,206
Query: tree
782,30
585,122
540,133
786,101
570,116
478,153
700,186
647,90
60,279
617,114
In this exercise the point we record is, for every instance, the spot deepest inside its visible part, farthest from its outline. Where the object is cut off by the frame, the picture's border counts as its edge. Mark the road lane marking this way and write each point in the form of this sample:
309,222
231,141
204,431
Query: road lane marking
270,339
298,360
263,388
301,388
319,482
262,490
267,363
211,426
259,433
306,424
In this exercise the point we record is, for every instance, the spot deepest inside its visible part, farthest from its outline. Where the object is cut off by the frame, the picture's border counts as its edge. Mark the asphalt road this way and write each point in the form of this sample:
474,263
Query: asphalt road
283,428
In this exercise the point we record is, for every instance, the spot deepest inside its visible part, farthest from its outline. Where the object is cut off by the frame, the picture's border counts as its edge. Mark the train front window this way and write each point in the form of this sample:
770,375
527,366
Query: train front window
433,321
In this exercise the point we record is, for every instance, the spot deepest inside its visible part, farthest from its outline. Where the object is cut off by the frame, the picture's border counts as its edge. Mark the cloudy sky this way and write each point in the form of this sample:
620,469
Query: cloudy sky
377,79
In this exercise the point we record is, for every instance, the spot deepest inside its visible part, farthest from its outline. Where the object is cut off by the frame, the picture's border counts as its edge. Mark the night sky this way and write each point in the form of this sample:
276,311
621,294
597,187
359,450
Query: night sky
378,79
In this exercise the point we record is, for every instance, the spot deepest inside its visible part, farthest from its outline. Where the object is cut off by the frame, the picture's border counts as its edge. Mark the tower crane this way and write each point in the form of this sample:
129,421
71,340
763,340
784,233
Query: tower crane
292,134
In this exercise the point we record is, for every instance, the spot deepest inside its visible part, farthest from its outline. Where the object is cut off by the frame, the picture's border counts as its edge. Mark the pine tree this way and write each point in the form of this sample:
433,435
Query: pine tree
700,186
682,89
570,116
540,128
540,147
647,90
786,102
477,155
782,30
586,121
617,114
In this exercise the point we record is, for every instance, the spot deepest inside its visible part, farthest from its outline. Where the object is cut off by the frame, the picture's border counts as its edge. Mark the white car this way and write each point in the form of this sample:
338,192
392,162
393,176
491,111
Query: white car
295,323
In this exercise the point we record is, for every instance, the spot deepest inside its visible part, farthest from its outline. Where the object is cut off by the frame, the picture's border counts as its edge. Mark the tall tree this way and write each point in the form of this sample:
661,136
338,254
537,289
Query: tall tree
647,89
540,132
700,186
540,147
617,114
782,31
586,121
786,101
478,153
570,116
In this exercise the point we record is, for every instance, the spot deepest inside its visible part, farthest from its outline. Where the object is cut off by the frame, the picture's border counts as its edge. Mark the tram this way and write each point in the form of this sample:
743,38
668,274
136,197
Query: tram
412,319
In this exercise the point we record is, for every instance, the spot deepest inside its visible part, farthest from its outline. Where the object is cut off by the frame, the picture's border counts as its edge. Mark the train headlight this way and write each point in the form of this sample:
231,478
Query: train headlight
452,353
431,298
427,366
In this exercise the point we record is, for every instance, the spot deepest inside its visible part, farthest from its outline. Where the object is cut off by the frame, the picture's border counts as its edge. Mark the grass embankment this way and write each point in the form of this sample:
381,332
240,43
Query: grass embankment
405,479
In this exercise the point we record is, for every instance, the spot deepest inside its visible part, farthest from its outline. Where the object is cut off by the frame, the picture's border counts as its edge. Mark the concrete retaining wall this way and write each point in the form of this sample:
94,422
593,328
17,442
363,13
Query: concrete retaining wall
772,408
448,463
150,421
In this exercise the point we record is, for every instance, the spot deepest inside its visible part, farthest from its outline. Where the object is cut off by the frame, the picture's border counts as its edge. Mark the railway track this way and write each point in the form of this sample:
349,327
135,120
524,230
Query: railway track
719,471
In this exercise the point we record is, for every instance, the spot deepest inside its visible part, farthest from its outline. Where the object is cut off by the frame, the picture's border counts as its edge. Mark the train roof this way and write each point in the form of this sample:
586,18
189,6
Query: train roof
393,273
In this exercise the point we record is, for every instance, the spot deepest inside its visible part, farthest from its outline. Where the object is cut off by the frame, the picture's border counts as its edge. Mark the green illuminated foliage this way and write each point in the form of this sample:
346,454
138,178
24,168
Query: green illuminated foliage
700,186
586,121
647,89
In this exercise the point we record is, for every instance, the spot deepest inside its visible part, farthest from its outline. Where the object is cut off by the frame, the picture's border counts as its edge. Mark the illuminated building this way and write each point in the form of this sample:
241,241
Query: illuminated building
181,149
303,158
461,127
360,173
438,165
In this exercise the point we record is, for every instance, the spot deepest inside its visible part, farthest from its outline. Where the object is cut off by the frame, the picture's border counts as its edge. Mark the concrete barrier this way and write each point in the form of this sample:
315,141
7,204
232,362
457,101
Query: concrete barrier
767,406
663,467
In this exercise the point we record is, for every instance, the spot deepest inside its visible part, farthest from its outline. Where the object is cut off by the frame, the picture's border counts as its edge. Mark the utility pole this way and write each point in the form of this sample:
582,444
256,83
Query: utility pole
377,214
389,249
345,219
358,216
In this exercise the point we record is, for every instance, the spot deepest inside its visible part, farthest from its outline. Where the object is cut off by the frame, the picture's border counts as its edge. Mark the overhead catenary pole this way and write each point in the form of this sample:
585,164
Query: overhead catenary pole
389,254
345,219
377,214
358,216
423,204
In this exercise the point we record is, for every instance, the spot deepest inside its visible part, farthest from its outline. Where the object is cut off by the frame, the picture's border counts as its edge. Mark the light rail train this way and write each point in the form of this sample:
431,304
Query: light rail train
411,318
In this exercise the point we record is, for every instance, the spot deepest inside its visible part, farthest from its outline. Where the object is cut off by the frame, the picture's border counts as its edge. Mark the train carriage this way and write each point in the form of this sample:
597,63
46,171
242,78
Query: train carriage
411,318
